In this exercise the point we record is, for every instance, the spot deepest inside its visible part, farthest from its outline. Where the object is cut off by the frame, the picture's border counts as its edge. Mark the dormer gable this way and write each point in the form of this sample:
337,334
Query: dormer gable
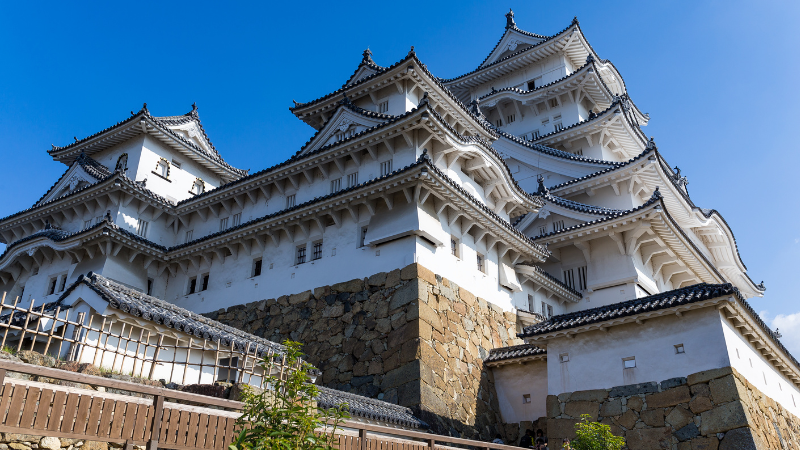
348,120
83,172
366,68
513,40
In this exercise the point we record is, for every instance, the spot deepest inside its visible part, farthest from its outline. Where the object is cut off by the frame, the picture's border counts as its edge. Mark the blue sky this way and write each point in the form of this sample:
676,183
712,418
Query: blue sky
717,77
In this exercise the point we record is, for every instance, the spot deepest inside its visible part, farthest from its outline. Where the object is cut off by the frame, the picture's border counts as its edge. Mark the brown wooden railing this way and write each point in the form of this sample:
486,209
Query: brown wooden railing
35,408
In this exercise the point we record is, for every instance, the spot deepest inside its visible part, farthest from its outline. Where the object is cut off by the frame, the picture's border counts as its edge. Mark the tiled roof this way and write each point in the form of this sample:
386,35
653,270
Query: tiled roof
668,299
617,102
514,351
89,165
164,313
368,408
163,123
553,279
581,207
346,103
412,56
553,152
656,197
663,300
507,57
54,234
644,153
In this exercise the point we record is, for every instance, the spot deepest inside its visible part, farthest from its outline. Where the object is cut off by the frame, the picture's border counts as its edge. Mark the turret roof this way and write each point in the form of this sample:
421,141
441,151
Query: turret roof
92,143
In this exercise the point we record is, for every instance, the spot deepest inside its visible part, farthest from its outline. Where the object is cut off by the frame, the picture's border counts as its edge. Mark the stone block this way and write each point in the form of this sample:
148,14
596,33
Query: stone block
670,397
558,429
679,417
700,404
611,408
402,375
351,286
564,397
596,395
739,439
430,401
336,310
649,438
723,418
94,445
379,279
687,433
653,417
628,419
409,292
635,403
725,390
302,297
705,443
409,394
672,382
13,437
466,296
429,315
634,389
553,406
708,375
18,446
392,278
577,409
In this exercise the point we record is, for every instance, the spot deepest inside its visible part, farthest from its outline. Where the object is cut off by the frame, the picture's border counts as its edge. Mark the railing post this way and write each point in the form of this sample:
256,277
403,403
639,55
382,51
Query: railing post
431,443
2,376
362,434
158,409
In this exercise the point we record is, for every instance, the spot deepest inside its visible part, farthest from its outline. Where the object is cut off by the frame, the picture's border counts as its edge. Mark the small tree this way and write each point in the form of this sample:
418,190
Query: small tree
595,436
284,416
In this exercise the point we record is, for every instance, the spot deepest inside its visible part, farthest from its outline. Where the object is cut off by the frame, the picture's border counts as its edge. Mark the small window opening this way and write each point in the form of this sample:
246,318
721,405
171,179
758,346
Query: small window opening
386,168
317,250
564,357
454,247
256,268
223,224
526,398
680,349
629,363
352,179
336,185
237,219
301,255
553,102
510,118
149,286
383,107
291,201
188,237
480,262
141,229
362,237
558,225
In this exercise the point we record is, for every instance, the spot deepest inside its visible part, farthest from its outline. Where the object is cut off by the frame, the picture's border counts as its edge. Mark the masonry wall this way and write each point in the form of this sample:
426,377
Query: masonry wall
407,336
714,409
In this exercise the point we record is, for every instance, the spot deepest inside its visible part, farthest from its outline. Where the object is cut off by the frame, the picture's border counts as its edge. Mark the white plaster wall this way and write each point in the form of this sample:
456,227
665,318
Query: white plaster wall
180,180
512,381
759,371
595,358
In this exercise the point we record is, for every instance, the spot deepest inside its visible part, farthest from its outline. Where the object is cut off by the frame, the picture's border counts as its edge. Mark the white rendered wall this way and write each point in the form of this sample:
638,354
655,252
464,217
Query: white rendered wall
512,382
595,357
761,373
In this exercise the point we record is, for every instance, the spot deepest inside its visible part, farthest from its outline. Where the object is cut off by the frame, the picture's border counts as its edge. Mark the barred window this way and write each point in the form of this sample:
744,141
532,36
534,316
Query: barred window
386,167
290,201
141,228
480,262
237,219
317,250
301,254
352,179
383,107
336,185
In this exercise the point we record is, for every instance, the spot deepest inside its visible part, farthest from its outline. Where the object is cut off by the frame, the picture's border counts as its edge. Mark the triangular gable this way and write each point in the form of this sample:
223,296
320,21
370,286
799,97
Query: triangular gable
192,132
362,72
348,120
83,172
513,40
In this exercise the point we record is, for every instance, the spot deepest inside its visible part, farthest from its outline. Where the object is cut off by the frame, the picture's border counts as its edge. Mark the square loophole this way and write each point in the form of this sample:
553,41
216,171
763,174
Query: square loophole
629,363
679,349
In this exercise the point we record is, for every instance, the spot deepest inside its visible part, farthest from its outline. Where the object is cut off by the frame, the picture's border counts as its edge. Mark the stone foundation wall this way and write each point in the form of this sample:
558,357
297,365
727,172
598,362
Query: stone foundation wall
407,336
715,409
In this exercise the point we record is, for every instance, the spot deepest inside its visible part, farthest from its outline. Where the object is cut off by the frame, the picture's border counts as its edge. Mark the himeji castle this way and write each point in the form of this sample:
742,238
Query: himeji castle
474,248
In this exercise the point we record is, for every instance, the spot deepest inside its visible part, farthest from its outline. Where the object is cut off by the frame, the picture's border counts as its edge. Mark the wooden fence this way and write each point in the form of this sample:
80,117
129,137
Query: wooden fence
44,409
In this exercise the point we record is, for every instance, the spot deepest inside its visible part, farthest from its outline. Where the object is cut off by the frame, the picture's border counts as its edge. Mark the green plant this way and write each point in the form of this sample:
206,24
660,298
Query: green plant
595,436
284,416
10,350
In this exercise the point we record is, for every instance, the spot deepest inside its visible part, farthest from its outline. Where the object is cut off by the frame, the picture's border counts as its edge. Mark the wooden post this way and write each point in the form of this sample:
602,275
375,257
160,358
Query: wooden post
362,434
431,443
155,430
128,445
2,376
155,354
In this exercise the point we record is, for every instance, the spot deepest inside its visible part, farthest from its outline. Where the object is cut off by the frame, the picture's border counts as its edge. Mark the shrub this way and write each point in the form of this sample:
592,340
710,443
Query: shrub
595,436
283,416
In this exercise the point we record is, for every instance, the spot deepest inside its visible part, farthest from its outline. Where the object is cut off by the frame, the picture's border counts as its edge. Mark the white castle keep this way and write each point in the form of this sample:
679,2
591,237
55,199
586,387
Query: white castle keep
527,182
